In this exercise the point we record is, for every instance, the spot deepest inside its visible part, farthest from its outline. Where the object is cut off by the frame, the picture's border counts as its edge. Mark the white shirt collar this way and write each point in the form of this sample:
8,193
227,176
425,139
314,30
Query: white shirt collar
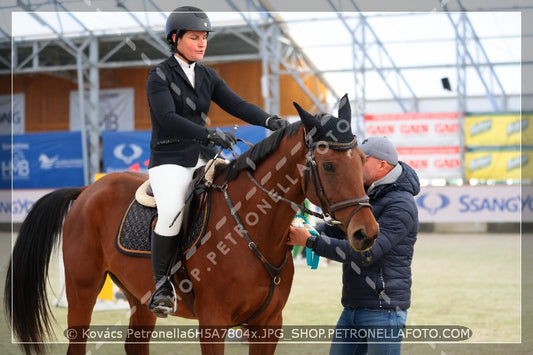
187,68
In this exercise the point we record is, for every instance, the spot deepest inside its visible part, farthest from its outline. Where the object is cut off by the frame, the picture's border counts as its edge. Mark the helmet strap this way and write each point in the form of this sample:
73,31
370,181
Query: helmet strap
181,54
184,57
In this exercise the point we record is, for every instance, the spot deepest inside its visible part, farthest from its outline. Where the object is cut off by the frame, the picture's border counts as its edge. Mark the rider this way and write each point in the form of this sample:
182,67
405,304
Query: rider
179,92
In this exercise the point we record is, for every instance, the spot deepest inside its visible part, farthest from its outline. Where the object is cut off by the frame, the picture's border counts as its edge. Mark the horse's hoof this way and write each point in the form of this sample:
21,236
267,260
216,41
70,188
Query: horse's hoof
162,307
160,313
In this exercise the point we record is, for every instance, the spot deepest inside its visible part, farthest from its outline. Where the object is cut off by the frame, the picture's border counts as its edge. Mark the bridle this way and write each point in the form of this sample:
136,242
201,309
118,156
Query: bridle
311,173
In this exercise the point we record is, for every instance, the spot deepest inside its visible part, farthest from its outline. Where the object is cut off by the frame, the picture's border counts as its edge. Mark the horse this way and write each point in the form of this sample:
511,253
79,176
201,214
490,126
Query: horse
240,276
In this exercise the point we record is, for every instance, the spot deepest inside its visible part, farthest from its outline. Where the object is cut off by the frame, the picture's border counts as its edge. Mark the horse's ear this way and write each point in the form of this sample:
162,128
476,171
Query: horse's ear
301,112
308,120
345,111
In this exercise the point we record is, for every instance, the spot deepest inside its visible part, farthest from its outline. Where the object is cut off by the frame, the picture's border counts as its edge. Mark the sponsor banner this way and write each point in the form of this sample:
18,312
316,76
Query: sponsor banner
126,151
474,204
498,165
435,204
14,205
415,129
12,118
116,110
498,130
433,162
41,160
131,150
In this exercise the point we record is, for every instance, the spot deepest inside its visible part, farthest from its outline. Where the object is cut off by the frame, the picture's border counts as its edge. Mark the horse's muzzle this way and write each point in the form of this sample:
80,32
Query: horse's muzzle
361,241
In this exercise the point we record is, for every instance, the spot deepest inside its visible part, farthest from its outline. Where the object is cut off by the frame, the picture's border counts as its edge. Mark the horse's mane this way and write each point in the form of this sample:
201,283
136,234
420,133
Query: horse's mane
253,156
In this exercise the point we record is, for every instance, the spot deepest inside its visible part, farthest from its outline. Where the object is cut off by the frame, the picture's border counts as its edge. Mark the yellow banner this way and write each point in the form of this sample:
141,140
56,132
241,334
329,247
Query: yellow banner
494,130
498,165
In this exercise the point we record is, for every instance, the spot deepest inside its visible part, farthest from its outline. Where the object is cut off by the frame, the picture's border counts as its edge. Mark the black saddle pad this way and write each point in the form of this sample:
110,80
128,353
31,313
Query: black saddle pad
135,229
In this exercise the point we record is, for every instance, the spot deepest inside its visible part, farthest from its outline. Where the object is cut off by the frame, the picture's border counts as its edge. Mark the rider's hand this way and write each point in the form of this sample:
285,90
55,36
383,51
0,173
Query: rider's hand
223,139
274,123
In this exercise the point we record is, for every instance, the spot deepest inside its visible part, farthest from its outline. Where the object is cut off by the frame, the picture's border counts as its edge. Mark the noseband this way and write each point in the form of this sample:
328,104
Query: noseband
312,174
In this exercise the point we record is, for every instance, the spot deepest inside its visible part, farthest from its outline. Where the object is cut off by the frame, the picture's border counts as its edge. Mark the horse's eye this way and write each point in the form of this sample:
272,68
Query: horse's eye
329,167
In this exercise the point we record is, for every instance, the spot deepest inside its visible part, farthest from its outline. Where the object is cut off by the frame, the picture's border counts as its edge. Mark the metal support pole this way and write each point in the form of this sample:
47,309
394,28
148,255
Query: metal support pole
467,37
359,75
461,94
274,51
88,91
94,112
83,125
403,94
270,79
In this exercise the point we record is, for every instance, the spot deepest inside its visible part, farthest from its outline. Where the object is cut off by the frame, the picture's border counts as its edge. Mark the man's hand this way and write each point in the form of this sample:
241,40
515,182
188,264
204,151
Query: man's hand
298,236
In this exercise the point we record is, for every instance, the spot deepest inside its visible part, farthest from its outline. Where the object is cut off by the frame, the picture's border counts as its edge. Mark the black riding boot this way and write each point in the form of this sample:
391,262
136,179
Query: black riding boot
163,249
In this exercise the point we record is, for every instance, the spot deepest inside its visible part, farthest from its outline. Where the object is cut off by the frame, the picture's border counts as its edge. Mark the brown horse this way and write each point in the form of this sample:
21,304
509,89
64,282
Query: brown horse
240,275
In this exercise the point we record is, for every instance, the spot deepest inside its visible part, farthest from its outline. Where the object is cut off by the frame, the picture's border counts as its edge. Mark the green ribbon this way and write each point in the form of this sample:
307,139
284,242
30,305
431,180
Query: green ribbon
312,257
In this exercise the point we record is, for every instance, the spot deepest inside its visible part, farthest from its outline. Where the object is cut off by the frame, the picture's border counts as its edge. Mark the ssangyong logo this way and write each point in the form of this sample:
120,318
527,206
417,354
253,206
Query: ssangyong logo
127,152
432,202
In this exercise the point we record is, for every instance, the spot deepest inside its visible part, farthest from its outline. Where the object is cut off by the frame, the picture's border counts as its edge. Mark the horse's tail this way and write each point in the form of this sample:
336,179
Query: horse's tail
25,296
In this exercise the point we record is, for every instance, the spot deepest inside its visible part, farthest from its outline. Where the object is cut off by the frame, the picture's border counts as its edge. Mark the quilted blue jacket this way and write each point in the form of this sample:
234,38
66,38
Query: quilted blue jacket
381,276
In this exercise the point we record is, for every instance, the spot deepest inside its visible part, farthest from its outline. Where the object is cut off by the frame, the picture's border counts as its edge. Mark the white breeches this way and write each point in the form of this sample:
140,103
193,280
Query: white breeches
169,184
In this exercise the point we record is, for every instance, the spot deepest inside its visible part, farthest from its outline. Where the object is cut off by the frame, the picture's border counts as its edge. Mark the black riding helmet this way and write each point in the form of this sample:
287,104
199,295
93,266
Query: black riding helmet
186,18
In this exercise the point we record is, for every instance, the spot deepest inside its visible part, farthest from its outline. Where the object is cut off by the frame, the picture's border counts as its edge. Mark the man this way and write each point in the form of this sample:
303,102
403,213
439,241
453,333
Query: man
376,283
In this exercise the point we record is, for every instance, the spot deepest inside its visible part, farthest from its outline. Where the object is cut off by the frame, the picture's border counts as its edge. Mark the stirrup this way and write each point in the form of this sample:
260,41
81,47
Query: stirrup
162,311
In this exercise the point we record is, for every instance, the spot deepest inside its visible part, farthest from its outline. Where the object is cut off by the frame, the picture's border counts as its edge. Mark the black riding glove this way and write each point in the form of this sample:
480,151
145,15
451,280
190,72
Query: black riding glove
274,123
223,139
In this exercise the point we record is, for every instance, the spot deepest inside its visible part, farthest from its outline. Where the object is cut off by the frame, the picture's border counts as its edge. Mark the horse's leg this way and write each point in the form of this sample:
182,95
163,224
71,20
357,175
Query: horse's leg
142,323
263,339
84,278
212,339
81,300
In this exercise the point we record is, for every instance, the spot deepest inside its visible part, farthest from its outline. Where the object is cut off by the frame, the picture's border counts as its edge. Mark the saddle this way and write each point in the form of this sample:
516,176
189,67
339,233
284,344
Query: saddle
134,232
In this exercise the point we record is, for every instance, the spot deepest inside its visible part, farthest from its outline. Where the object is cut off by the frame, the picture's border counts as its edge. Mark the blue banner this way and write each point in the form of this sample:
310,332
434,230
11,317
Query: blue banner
126,150
131,150
41,160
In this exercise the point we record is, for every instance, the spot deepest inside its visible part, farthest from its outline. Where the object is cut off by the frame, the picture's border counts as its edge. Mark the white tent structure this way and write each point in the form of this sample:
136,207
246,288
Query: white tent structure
448,55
